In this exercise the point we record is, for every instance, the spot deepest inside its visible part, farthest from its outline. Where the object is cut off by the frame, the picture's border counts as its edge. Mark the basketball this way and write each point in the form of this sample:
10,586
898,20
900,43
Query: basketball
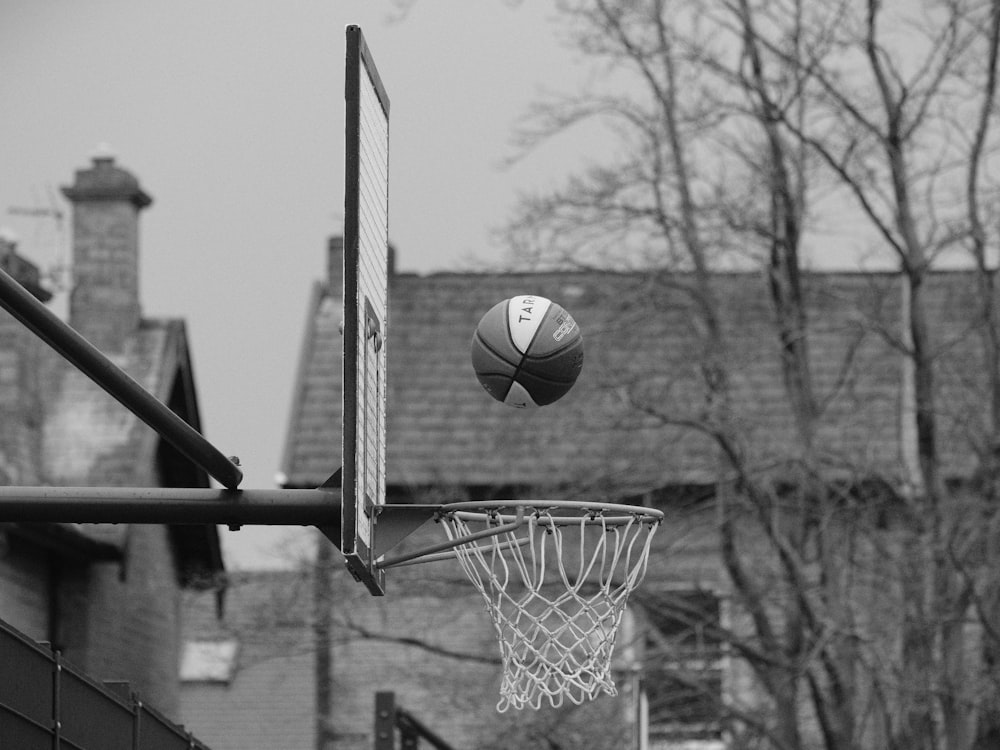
527,351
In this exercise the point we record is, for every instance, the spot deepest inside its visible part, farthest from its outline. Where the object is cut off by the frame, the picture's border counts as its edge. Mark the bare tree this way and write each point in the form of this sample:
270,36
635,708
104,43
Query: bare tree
869,602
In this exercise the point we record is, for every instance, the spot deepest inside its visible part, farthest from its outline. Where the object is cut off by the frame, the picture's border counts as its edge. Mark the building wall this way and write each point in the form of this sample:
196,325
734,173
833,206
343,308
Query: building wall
121,621
115,621
24,586
452,689
268,704
20,389
262,694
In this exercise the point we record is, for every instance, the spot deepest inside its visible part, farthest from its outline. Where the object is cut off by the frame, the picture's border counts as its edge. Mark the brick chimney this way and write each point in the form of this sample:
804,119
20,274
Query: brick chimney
335,263
104,301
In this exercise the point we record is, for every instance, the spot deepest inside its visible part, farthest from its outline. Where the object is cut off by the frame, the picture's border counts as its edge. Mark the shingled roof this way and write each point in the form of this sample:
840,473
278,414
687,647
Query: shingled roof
640,351
88,437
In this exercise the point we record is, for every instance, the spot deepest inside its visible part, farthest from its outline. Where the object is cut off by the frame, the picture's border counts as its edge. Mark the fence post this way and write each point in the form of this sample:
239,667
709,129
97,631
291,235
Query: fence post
56,700
385,720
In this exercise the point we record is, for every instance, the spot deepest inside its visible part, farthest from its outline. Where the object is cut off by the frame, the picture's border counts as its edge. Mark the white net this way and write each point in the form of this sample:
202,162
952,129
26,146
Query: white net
556,586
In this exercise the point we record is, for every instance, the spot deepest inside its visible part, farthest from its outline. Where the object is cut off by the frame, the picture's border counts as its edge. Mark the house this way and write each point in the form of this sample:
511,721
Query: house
107,597
619,435
258,655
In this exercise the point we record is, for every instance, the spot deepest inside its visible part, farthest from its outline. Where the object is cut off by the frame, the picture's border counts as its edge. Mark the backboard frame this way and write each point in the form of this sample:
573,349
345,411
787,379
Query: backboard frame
365,295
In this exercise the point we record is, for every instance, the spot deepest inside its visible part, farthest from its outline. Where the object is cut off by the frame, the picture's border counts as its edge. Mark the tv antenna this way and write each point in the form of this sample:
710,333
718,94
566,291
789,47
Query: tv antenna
53,214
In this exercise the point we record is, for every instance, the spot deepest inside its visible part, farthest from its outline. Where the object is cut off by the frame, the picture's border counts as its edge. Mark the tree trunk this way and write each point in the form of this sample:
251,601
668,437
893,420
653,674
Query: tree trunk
322,641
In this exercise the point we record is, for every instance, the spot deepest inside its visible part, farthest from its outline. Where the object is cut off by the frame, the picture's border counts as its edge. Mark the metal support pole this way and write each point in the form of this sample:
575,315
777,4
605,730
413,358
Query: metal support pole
159,505
16,300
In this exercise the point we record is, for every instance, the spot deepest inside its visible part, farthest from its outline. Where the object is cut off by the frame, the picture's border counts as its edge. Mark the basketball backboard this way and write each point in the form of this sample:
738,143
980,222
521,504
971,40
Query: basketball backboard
366,248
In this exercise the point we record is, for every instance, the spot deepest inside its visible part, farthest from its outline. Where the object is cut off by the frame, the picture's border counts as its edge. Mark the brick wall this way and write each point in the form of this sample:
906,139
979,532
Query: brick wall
267,700
24,590
20,439
112,628
122,621
268,705
20,399
449,694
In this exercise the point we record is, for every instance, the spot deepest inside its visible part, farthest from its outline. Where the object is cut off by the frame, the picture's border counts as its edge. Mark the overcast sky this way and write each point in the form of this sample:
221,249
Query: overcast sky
230,113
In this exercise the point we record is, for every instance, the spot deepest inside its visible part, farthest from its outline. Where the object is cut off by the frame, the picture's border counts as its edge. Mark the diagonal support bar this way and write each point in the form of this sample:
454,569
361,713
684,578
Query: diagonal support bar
396,522
16,300
428,554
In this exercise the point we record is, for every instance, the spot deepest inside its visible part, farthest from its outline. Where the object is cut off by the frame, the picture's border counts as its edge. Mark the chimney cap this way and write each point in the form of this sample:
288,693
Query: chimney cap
104,180
103,152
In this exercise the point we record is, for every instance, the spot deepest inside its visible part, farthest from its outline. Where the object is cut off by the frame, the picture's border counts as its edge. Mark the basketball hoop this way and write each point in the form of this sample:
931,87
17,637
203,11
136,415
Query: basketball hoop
555,577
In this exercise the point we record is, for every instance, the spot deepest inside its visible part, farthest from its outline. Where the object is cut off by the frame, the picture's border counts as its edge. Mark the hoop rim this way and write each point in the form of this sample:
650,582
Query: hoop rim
618,514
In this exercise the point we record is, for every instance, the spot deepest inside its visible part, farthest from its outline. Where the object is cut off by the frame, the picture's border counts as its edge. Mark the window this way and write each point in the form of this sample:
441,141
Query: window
209,661
683,669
